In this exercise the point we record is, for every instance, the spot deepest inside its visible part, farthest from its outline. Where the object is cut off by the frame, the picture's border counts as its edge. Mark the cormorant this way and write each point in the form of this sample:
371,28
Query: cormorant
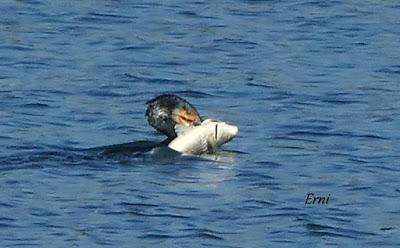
163,113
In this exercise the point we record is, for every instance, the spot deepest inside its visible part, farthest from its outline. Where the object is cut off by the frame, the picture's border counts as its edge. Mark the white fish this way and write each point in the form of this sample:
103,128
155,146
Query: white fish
205,138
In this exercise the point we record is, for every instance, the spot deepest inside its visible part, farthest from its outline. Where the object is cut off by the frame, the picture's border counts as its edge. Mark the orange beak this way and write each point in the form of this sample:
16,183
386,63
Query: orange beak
185,118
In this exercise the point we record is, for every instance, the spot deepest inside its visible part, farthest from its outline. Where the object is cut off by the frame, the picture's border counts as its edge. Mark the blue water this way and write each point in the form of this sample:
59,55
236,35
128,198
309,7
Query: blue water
313,85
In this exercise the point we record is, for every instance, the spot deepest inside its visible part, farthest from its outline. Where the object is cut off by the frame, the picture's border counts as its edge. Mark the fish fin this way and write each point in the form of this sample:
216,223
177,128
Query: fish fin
180,129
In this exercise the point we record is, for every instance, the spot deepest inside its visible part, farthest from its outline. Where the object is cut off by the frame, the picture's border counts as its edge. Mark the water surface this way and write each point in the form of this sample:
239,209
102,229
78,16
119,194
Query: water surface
313,85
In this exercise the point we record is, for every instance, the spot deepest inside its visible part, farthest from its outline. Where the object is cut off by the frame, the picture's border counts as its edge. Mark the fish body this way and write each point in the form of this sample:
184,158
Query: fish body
204,138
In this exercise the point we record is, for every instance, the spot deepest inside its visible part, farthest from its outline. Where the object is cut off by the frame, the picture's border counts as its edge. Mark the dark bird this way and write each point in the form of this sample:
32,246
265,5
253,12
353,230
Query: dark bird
163,113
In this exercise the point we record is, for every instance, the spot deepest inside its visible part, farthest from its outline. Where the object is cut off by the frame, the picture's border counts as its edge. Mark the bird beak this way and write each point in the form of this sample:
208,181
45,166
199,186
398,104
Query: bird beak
186,118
